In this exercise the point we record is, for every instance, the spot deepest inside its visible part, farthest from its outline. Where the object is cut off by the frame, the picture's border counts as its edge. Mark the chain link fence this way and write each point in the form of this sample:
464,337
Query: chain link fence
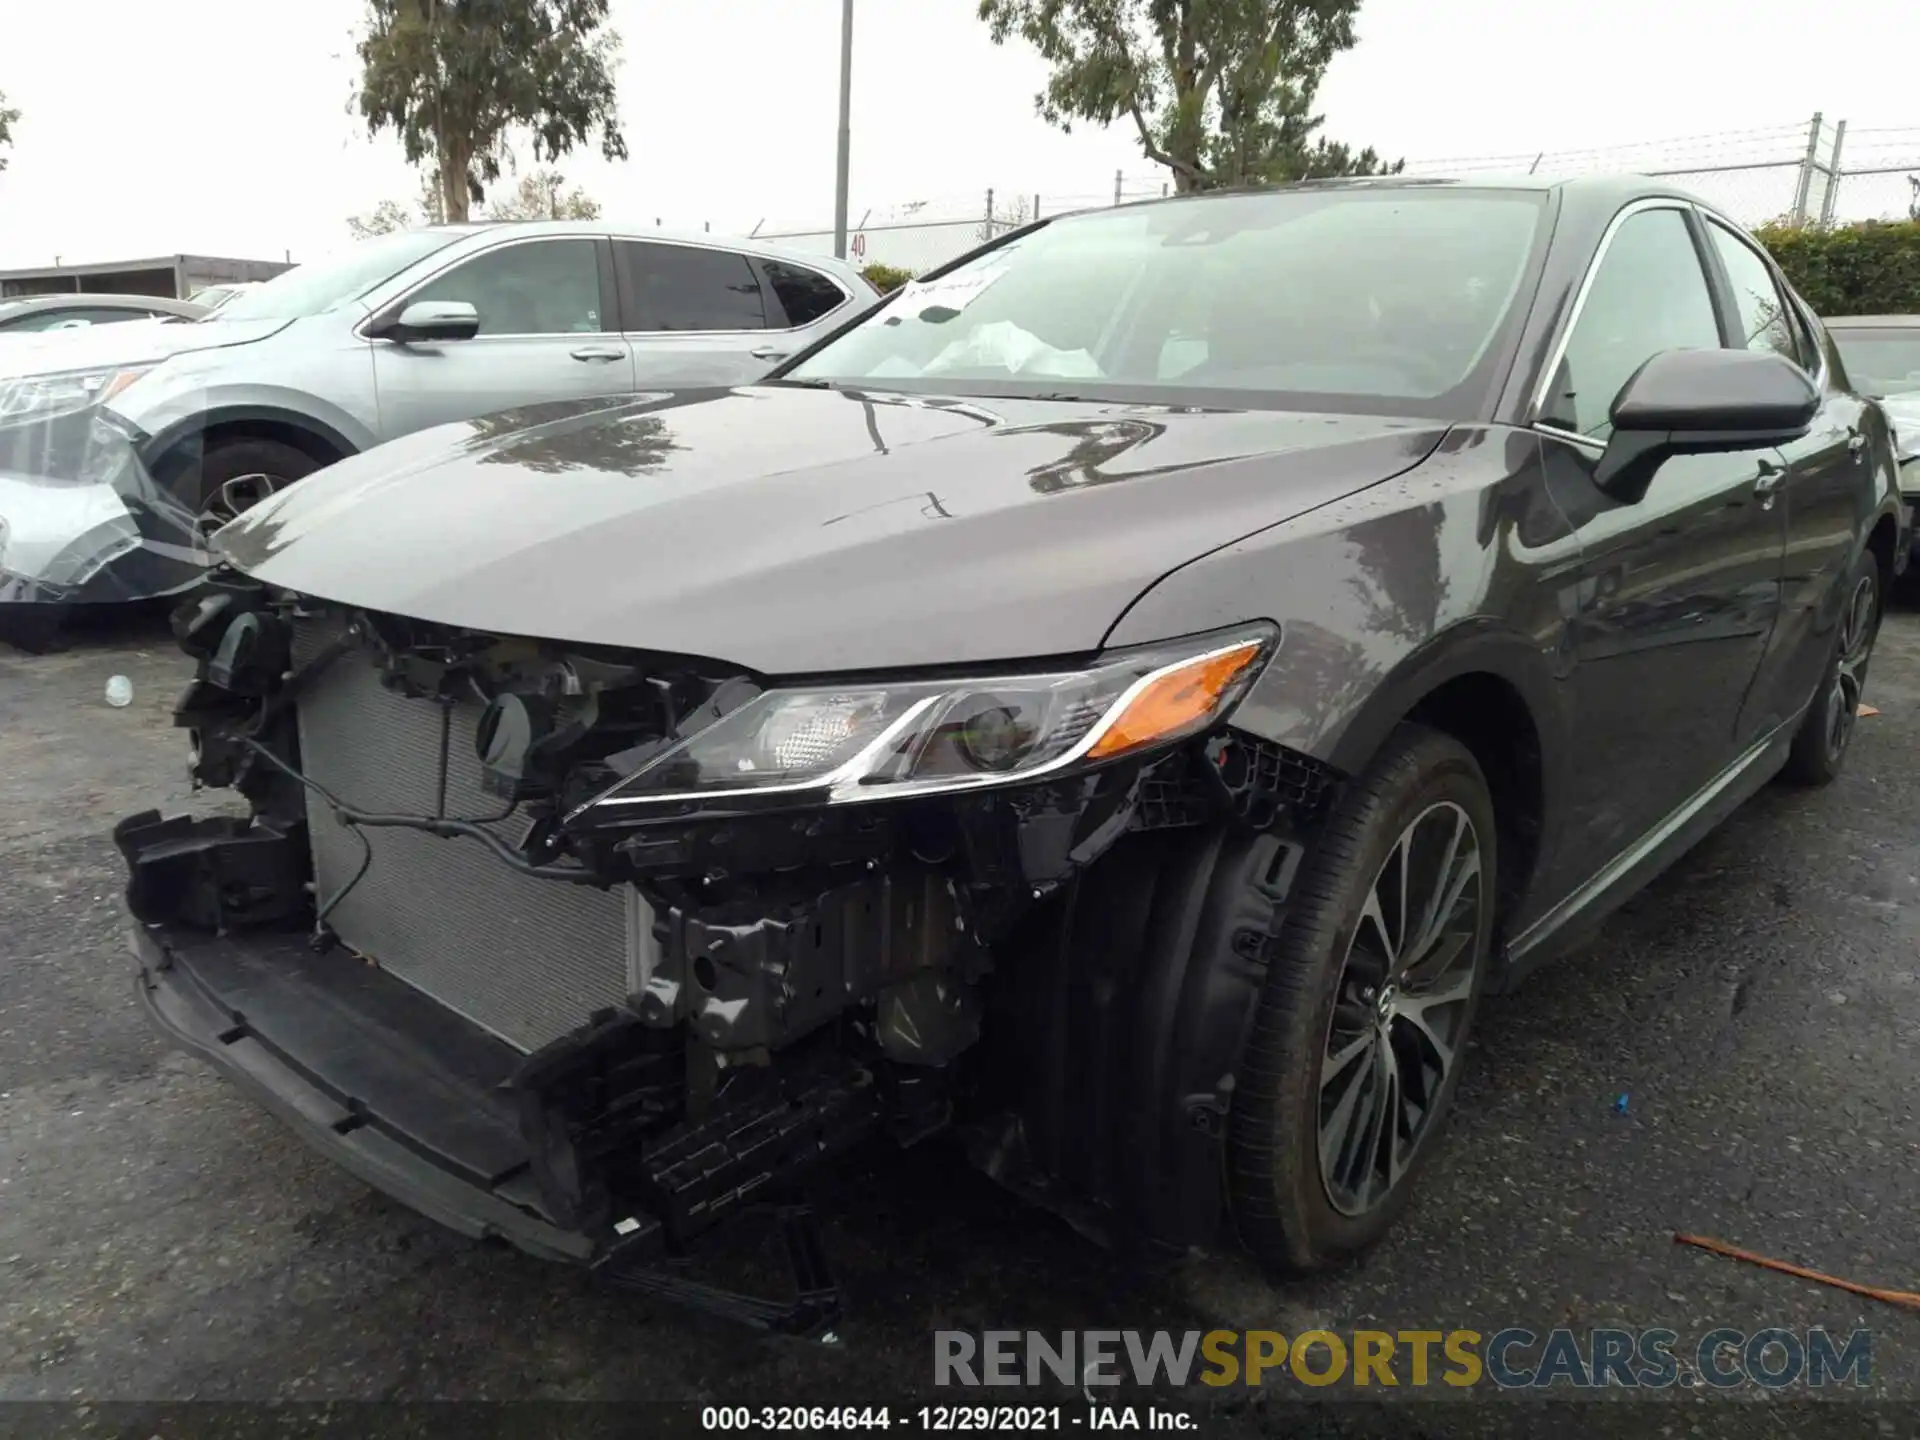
1814,172
924,233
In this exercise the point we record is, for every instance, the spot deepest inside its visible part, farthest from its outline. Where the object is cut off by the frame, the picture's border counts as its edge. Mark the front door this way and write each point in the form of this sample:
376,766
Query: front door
546,333
1679,591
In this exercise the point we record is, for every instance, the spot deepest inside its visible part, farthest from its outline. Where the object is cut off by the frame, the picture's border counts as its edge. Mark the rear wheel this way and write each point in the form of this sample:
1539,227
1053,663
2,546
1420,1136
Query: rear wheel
1368,999
1826,732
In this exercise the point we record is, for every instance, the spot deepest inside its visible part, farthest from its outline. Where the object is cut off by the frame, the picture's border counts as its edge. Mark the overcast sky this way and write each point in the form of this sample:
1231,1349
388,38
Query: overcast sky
196,126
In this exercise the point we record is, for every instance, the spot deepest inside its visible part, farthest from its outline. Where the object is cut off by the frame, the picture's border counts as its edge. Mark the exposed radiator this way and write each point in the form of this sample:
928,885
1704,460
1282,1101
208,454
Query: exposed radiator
527,959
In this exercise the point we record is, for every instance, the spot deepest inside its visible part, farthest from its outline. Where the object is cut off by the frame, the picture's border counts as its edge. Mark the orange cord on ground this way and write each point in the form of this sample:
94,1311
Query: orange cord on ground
1905,1298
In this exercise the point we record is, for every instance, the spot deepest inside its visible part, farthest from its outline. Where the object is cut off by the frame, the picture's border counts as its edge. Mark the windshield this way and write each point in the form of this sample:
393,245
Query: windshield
318,287
1881,362
1389,300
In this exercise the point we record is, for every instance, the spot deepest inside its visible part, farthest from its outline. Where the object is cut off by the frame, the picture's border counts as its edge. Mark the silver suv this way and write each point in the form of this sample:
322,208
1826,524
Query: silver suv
121,447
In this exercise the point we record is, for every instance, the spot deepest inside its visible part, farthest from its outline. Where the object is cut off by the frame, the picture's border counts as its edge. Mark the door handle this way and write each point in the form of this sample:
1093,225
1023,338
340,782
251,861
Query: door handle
1767,485
767,352
598,352
1856,442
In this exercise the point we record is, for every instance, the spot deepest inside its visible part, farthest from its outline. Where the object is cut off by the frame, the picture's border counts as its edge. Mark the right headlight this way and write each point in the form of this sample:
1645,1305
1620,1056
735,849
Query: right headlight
840,744
48,397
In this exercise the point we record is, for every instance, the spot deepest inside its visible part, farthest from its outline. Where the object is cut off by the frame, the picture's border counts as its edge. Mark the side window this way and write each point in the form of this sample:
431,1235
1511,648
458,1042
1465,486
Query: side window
1765,322
1649,294
686,287
542,287
1806,342
804,294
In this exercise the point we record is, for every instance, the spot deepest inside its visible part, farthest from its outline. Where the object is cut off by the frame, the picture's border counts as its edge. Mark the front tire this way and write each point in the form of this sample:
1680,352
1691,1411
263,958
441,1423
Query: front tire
1368,999
235,475
1825,735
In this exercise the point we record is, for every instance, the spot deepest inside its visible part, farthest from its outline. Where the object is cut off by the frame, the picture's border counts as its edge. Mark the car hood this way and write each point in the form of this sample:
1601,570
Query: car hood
797,531
130,342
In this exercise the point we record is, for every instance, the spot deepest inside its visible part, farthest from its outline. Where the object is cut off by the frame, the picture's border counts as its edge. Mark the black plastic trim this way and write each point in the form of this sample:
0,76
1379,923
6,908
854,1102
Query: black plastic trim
366,1071
157,450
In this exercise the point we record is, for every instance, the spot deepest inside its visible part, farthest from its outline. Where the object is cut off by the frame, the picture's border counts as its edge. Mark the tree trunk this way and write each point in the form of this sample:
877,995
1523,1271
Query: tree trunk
454,195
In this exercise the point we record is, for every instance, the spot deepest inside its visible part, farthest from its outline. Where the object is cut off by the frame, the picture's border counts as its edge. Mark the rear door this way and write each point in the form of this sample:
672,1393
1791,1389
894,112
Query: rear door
547,332
1677,593
696,314
1829,486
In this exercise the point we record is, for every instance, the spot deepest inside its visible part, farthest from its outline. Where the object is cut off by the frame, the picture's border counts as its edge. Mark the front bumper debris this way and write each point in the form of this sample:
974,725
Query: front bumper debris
767,991
83,521
461,1127
373,1075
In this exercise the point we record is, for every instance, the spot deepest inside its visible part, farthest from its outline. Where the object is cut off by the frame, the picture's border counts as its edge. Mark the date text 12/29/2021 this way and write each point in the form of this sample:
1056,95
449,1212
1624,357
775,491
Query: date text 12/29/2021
976,1418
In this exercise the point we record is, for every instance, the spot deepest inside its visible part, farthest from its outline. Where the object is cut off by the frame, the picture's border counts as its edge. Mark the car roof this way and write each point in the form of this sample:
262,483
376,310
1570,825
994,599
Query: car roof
80,299
1584,205
745,244
1587,192
1875,322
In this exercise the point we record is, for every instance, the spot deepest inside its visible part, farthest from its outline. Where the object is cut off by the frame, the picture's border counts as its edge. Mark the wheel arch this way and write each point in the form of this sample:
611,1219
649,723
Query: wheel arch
1883,542
311,436
1130,1011
1493,690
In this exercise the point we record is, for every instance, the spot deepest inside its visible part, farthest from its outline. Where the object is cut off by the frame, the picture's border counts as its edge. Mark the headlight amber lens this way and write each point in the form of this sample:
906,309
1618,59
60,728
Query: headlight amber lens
1174,701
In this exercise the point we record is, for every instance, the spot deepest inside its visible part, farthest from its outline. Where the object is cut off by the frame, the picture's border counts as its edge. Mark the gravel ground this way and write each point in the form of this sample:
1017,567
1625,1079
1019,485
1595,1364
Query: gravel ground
161,1238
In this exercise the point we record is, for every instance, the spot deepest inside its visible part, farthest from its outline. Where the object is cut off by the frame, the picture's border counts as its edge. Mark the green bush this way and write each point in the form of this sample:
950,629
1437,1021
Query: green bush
886,278
1872,268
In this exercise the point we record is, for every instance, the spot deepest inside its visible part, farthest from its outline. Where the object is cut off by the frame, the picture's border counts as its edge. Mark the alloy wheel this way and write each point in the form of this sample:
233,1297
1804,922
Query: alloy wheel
1401,1008
1850,669
232,498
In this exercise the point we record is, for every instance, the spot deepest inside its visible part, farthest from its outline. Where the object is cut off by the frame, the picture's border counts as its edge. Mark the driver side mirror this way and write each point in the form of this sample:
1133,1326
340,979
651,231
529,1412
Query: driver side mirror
1701,402
428,320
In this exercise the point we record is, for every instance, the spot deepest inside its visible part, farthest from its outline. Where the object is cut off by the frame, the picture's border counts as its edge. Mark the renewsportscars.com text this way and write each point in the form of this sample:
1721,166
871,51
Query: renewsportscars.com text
1508,1359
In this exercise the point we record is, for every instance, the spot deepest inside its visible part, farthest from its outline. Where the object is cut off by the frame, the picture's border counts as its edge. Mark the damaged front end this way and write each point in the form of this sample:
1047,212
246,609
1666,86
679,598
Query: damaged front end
592,951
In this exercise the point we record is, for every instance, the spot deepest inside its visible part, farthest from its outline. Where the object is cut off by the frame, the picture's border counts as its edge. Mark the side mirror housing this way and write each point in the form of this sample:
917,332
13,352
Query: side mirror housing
1699,402
428,320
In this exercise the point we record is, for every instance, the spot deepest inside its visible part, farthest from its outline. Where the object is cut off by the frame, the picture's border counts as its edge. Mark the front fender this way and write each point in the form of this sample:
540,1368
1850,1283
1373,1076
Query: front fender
1482,645
1462,564
307,372
193,408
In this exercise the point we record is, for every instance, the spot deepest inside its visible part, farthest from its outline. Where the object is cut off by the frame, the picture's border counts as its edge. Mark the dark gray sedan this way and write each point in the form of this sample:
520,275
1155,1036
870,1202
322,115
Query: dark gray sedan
1121,703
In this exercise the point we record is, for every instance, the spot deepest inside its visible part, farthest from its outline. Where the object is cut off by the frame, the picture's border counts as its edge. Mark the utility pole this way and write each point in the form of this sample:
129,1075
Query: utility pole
846,131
